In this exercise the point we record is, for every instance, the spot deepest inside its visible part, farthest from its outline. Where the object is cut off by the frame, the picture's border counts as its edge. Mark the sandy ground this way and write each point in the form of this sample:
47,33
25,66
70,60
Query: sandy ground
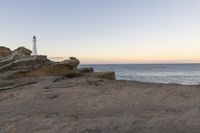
91,105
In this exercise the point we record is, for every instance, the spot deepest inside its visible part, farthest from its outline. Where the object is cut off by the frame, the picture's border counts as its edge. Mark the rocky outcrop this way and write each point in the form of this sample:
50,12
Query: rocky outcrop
4,51
12,56
19,63
40,66
103,75
89,72
86,70
22,52
48,68
72,62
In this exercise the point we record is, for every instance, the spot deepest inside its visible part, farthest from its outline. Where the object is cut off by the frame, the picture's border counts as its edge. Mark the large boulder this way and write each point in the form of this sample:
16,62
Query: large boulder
72,62
103,75
4,51
86,70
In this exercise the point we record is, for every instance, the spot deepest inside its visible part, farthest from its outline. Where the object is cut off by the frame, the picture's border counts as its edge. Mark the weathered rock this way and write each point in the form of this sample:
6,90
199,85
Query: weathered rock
40,66
17,54
72,62
73,74
8,59
23,52
25,64
103,75
86,70
20,64
4,51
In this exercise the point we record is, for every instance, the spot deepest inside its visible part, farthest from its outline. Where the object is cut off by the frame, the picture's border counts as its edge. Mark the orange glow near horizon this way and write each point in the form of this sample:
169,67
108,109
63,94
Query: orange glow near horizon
127,59
146,53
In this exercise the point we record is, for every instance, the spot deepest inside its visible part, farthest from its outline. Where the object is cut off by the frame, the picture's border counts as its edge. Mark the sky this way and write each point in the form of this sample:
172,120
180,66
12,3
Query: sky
105,31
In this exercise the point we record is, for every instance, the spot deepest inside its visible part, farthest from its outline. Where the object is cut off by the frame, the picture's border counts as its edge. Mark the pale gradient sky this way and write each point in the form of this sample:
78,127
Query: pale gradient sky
105,31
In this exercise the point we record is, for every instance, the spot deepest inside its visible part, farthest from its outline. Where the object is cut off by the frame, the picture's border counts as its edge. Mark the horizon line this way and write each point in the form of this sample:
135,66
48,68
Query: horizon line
138,63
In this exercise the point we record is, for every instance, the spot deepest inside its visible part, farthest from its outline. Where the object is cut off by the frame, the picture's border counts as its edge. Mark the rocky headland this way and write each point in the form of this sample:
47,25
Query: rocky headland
20,64
38,95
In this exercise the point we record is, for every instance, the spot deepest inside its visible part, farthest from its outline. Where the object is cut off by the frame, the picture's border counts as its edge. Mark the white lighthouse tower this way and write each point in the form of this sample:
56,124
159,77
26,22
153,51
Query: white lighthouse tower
34,46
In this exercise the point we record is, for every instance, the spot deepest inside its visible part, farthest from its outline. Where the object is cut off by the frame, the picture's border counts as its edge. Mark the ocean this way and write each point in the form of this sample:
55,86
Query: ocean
186,74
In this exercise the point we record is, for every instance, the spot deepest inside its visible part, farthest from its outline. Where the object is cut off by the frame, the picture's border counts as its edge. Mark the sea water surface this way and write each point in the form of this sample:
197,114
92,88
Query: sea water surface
187,74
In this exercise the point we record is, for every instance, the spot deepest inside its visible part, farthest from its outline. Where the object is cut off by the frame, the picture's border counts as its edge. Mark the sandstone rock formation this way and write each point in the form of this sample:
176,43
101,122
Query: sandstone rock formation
4,52
19,63
9,56
103,75
22,52
86,70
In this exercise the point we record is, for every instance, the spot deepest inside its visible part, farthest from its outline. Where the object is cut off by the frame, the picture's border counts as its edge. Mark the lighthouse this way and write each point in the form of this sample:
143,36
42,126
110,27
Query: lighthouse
34,46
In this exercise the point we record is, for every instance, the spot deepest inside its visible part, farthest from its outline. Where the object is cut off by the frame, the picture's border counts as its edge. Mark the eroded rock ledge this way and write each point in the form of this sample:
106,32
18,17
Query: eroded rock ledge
19,63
